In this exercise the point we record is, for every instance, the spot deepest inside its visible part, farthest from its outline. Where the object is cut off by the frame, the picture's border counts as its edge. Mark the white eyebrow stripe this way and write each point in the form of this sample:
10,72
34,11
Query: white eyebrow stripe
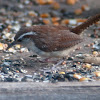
28,33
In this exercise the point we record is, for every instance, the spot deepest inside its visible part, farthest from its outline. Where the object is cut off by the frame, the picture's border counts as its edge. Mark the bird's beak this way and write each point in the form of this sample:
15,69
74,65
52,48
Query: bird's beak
12,44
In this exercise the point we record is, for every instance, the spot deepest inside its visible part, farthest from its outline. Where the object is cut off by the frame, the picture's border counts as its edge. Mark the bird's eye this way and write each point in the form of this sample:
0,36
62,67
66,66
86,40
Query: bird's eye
19,40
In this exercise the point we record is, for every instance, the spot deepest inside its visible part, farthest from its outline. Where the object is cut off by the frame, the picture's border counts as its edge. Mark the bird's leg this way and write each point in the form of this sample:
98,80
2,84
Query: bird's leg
40,60
60,62
46,60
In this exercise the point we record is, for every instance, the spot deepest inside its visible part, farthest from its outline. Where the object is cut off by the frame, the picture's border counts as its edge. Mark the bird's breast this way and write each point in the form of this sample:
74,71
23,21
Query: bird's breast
63,53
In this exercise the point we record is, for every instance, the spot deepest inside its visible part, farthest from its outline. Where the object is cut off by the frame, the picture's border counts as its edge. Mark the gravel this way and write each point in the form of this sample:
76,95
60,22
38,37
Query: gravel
16,64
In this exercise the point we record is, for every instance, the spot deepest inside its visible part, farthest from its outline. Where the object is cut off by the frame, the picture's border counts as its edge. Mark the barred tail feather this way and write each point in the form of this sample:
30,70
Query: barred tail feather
78,29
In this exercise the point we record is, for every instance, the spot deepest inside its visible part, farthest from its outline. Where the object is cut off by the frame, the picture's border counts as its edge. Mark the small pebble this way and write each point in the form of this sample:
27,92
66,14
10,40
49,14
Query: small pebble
95,53
97,73
72,21
87,66
71,2
78,11
77,76
12,50
62,73
84,79
85,7
1,46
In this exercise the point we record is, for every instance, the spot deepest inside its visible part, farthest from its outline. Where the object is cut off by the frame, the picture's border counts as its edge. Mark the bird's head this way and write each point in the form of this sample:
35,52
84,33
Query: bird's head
22,37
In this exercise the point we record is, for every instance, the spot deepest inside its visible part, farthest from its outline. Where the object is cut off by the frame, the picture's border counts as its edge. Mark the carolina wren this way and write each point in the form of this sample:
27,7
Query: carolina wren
52,41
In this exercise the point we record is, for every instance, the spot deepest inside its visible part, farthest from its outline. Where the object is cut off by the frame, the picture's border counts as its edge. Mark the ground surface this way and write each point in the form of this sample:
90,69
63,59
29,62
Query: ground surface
12,5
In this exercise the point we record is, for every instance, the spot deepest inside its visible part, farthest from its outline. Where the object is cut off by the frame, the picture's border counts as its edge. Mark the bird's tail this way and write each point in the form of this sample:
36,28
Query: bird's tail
78,29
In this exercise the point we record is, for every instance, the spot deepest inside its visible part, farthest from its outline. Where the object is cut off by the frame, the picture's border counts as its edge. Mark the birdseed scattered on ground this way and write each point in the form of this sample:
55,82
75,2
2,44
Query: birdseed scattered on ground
17,66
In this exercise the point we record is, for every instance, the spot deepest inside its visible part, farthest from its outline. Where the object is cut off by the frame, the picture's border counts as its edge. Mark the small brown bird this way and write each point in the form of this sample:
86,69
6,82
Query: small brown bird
52,41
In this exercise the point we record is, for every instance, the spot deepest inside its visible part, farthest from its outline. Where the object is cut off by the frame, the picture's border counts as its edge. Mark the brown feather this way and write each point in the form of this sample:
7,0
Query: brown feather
40,28
78,30
51,38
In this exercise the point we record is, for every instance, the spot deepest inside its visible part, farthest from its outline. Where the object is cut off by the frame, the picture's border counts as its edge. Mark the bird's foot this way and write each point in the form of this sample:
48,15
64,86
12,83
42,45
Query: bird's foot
47,60
54,68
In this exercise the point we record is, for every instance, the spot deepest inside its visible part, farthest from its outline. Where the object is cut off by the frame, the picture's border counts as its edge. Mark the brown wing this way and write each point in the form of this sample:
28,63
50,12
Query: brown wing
51,38
56,41
40,29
